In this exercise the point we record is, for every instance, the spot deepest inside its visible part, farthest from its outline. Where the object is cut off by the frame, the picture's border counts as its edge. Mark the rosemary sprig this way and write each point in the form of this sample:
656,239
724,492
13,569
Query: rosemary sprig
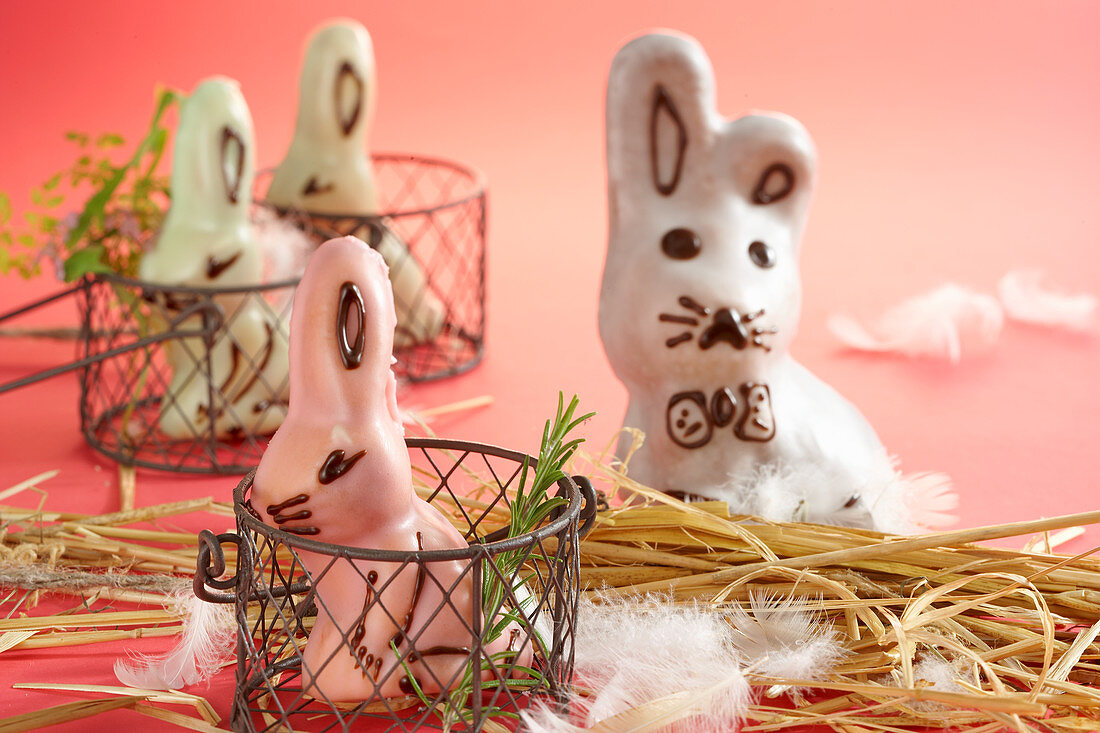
505,598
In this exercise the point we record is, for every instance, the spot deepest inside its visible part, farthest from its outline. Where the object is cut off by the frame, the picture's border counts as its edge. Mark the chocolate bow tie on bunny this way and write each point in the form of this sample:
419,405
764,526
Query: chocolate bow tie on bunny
207,242
701,290
327,169
338,471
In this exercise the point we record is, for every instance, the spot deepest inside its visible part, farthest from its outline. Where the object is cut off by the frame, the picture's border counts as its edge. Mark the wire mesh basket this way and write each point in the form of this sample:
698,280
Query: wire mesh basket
431,231
176,378
277,603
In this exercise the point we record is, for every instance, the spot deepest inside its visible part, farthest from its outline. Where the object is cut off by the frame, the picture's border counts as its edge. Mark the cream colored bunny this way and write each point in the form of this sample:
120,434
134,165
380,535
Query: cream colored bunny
327,170
207,242
701,290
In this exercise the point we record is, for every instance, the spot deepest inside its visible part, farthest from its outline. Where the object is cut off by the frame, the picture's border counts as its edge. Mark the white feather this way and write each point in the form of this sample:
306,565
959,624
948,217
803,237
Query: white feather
205,645
1026,300
782,638
676,661
876,496
939,324
937,673
285,247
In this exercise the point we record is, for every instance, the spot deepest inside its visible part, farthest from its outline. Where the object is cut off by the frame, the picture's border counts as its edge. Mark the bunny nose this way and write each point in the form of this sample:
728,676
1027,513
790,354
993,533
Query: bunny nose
728,327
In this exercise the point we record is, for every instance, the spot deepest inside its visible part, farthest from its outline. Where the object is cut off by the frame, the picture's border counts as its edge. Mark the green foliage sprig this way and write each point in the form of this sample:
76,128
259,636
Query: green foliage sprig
531,506
108,234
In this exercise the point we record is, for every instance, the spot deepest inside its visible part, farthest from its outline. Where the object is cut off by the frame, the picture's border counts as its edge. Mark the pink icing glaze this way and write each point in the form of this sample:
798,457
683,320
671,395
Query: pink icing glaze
372,504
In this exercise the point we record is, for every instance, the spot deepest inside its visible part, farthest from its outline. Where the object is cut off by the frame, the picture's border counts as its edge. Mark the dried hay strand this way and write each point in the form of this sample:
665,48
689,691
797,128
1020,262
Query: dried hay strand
1016,630
102,561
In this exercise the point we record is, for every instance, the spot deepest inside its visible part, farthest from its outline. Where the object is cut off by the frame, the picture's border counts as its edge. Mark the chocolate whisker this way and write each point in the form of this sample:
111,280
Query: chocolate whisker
677,340
752,316
693,305
274,509
302,530
282,518
685,320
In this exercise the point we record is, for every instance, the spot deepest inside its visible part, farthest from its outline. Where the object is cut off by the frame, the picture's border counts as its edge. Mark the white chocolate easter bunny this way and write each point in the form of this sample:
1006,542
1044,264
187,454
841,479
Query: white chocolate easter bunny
207,241
701,289
327,171
338,471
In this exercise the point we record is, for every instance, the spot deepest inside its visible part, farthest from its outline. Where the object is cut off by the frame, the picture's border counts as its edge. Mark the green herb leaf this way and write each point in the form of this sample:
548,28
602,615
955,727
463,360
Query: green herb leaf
52,183
109,140
85,261
5,207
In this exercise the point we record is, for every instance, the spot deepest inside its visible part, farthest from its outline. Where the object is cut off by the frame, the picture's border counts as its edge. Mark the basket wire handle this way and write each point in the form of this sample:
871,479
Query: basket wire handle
174,331
591,505
211,564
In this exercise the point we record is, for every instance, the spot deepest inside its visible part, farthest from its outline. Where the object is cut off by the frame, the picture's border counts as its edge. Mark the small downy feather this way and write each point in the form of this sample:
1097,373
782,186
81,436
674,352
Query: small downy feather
939,324
284,246
677,663
877,496
782,638
1026,300
205,645
933,671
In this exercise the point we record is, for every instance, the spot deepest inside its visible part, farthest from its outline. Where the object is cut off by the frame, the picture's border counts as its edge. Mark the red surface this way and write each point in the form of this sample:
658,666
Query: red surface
956,141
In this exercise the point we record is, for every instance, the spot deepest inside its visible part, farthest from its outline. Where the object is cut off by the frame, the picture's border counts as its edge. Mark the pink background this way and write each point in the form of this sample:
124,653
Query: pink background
956,141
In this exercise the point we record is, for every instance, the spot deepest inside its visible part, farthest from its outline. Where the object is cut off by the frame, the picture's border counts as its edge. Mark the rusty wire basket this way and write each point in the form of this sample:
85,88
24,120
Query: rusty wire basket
135,337
433,215
276,603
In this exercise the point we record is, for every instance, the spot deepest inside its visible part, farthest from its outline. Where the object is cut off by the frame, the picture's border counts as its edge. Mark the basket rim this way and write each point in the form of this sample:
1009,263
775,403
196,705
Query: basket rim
152,286
572,512
477,179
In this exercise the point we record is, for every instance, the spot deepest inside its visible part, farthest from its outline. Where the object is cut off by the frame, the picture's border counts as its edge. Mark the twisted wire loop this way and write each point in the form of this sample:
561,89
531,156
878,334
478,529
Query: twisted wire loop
592,504
210,566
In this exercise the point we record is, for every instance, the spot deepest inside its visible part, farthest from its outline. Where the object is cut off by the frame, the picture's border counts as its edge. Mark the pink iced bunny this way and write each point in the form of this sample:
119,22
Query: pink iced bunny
338,471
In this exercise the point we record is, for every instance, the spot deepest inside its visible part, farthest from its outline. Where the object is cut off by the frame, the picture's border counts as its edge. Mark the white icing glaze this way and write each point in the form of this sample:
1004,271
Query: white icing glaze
207,241
675,163
327,170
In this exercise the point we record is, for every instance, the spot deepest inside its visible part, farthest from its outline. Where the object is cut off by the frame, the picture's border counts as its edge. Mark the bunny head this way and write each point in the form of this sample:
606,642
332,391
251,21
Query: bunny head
341,340
326,169
206,239
343,404
336,88
706,216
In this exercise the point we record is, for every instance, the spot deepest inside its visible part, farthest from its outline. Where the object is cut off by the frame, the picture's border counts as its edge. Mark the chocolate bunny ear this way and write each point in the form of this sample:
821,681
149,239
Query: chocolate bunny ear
660,101
341,332
206,239
336,92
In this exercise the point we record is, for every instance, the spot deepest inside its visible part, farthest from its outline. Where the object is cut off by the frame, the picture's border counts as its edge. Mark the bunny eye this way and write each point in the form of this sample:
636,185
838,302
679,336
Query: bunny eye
349,97
681,244
232,160
762,255
775,184
852,501
350,321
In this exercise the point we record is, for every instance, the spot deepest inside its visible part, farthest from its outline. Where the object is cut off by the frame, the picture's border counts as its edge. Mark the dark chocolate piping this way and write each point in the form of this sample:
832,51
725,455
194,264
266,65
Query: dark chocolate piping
351,354
312,188
677,340
346,69
232,189
693,305
336,465
760,194
661,99
215,267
